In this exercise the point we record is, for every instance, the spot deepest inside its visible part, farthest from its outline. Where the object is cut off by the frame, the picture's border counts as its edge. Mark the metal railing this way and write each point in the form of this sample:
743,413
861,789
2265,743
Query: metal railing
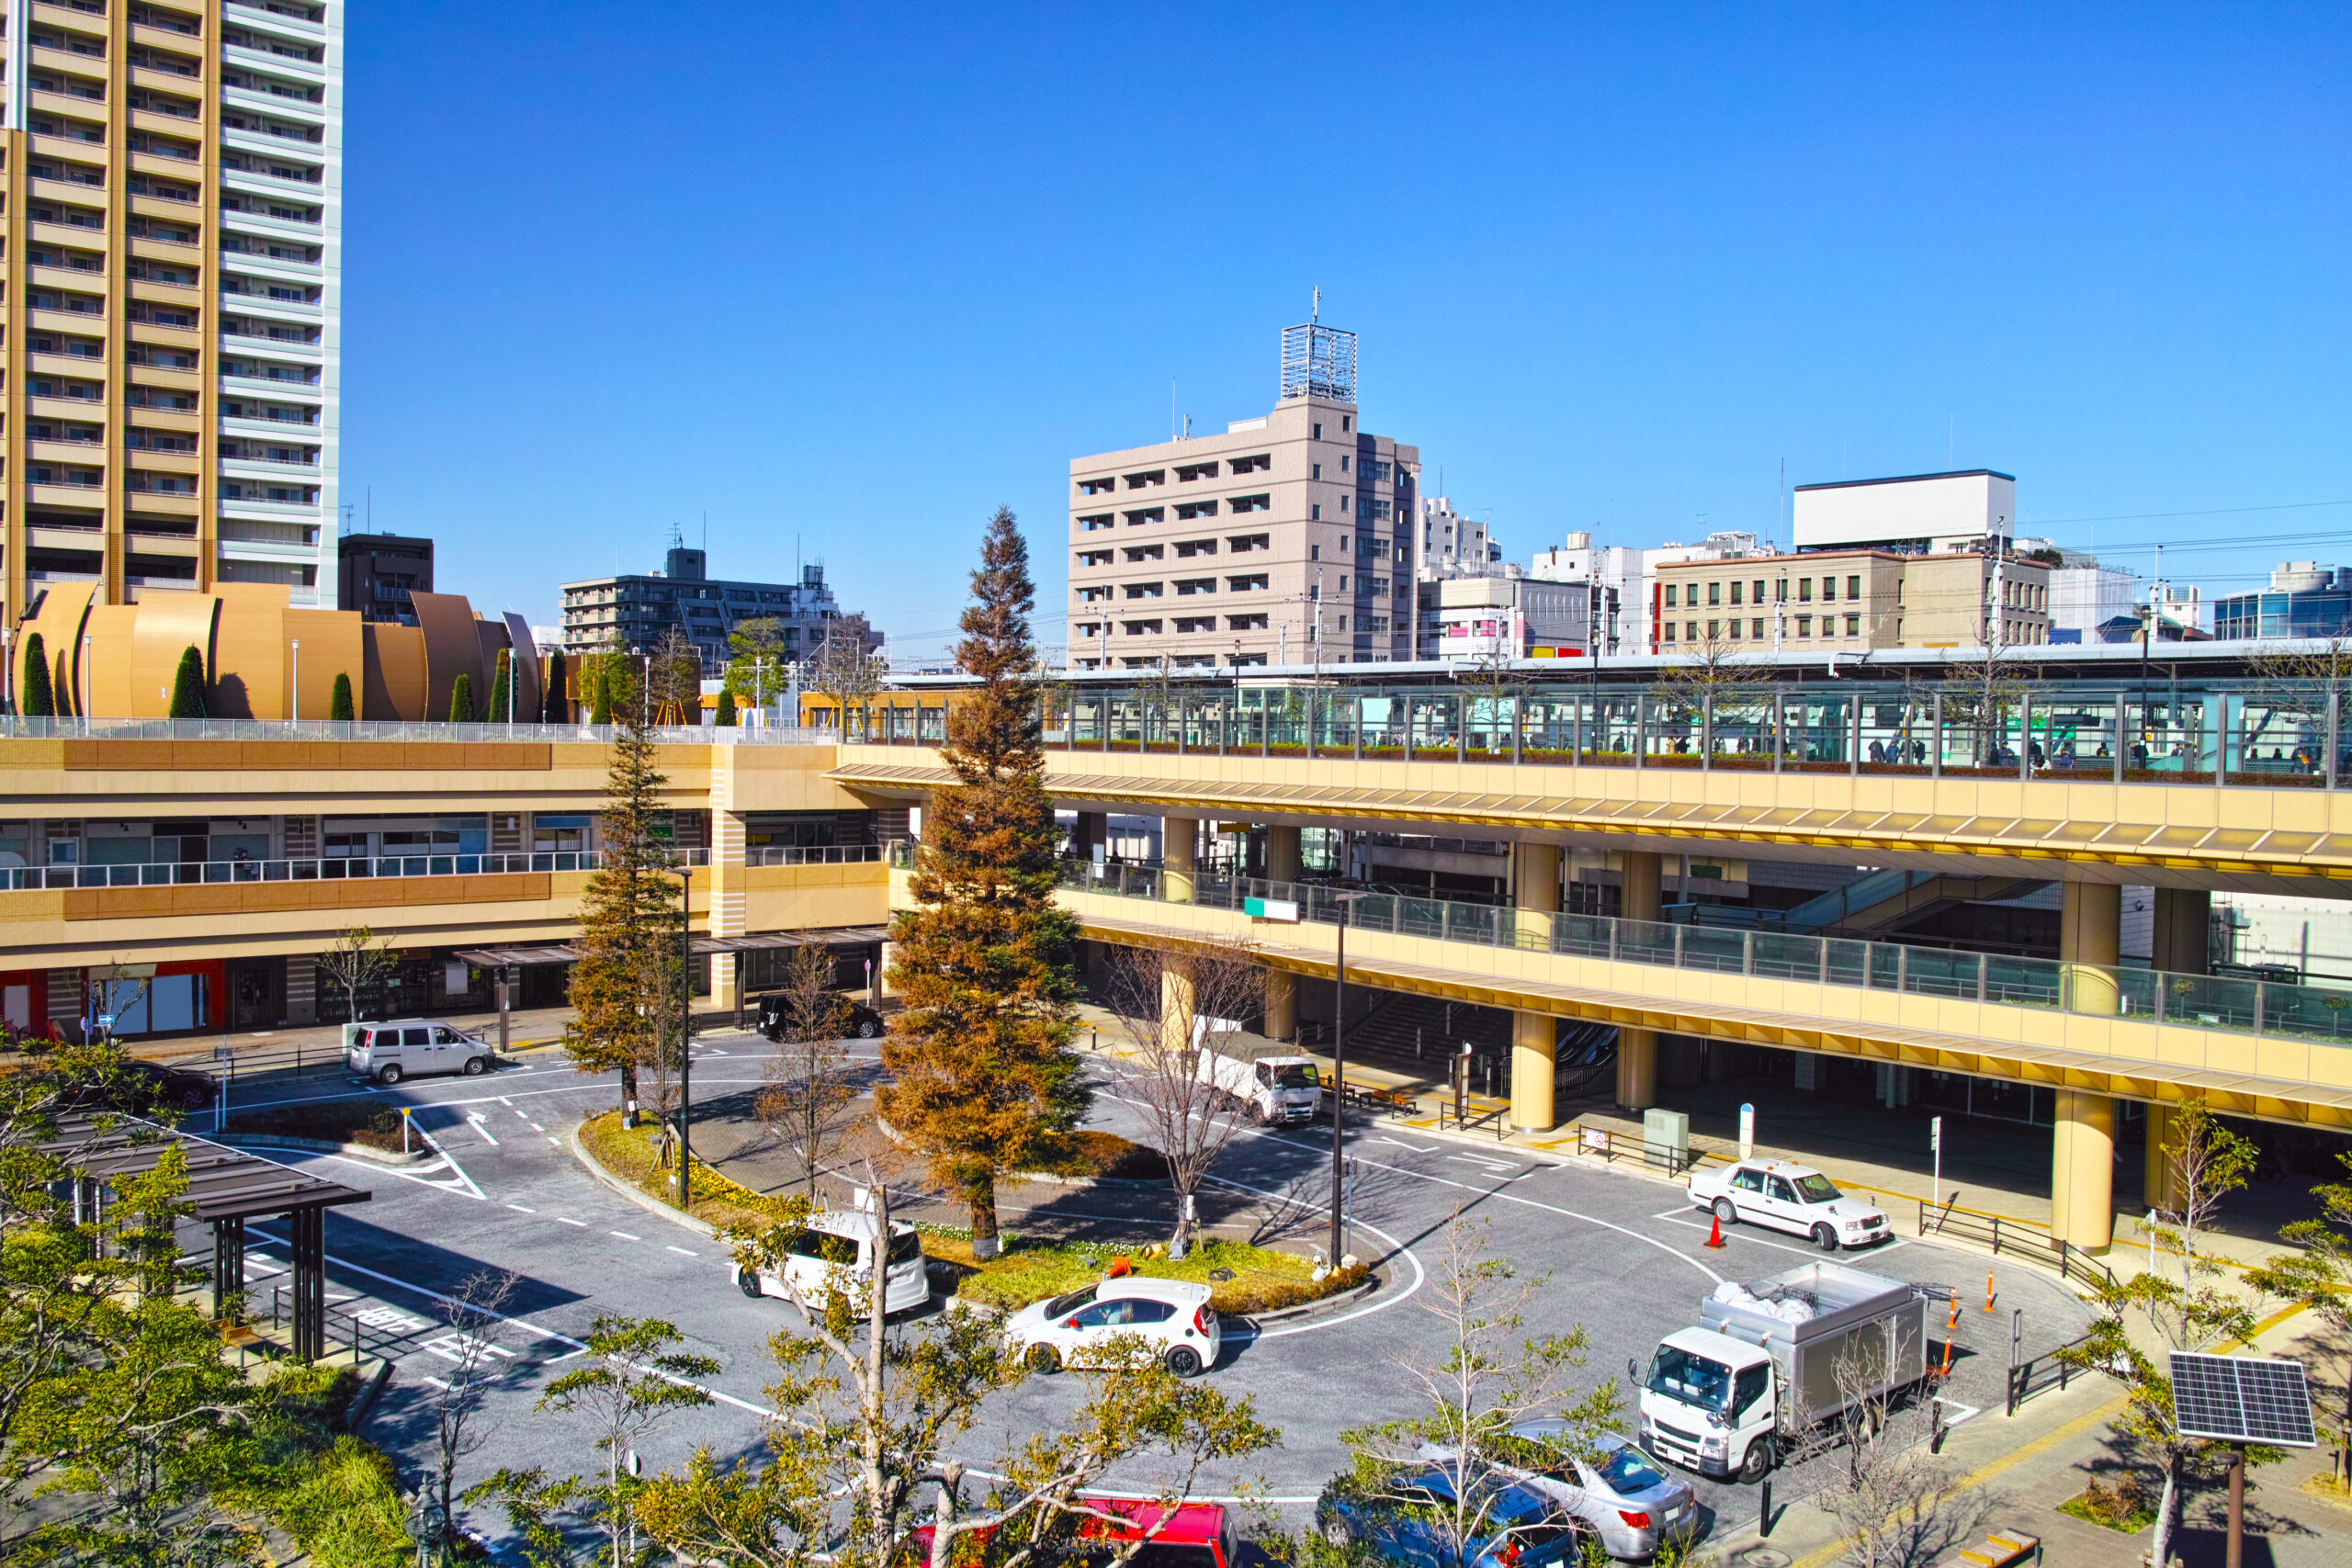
2029,1375
333,868
355,1335
2315,1013
13,726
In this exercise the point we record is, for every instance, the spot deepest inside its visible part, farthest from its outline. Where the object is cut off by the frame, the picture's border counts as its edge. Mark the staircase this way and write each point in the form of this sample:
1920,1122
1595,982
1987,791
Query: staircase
1888,898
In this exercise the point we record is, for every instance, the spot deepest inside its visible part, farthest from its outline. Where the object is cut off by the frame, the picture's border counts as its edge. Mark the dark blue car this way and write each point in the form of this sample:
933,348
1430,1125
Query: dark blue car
1410,1522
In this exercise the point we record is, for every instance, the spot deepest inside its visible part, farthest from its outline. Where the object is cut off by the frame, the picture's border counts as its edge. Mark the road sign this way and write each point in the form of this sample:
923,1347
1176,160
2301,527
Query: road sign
1935,1133
2242,1399
1270,908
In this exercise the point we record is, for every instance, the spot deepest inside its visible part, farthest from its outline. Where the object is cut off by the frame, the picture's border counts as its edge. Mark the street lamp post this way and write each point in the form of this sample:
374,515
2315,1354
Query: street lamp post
686,1034
298,680
1339,1074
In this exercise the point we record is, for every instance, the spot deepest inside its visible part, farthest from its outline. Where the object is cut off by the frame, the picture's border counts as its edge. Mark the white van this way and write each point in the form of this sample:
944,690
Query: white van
834,1251
409,1047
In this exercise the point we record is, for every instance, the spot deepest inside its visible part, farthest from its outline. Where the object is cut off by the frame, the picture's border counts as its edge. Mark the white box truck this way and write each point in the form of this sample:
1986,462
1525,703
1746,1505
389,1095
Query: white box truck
1762,1368
1277,1091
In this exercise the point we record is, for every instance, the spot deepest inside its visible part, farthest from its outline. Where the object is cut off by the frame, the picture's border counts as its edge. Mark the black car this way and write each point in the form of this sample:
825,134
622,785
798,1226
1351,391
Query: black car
864,1022
145,1086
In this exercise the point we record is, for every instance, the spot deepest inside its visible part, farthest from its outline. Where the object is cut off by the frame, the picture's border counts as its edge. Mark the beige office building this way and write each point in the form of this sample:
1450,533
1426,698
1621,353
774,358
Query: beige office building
1286,540
1853,600
173,219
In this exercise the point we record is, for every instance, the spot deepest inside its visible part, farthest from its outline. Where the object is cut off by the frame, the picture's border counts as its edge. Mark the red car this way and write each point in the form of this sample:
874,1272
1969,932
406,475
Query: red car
1199,1535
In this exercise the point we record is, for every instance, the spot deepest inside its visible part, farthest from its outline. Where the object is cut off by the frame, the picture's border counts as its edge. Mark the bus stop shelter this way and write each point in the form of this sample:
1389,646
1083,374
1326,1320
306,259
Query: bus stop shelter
226,1188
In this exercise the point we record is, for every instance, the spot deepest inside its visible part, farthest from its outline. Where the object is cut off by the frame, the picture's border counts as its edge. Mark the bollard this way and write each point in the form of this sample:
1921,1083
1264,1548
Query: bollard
1988,1289
1764,1518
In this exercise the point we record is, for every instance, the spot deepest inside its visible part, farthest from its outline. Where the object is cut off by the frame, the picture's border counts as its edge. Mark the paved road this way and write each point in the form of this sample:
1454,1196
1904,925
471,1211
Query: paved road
1623,1257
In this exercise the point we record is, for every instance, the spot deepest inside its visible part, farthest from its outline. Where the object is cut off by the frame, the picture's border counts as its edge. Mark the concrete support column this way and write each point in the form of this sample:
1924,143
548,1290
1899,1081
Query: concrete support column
723,990
882,970
1535,892
1282,1004
1282,854
2081,1171
1535,1040
1638,872
1637,1070
2155,1171
2184,942
1176,990
1091,829
2091,929
1177,838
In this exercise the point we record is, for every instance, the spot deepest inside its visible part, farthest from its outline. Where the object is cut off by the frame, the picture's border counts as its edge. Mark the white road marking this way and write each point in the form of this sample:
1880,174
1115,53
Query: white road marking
481,1124
521,1208
534,1126
1401,1144
683,1253
562,1220
1966,1411
1748,1234
1491,1167
624,1236
459,1171
556,1141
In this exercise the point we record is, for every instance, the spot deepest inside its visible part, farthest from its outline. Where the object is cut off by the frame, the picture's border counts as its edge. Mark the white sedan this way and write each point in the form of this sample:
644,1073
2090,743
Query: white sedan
1790,1198
1171,1317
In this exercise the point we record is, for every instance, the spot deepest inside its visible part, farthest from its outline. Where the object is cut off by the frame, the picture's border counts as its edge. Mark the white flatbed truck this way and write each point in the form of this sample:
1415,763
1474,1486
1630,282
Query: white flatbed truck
1725,1398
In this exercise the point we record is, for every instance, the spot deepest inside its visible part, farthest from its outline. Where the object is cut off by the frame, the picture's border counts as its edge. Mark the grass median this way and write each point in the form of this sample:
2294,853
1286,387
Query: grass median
628,1152
1241,1278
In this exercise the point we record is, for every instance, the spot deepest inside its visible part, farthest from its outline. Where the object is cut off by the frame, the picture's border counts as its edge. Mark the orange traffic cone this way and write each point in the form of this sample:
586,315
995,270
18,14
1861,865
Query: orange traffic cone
1715,1232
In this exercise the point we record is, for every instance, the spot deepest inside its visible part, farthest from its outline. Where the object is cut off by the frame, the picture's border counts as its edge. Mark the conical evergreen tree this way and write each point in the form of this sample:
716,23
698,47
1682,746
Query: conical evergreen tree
39,698
982,1079
187,685
727,710
498,695
559,706
625,984
461,699
339,705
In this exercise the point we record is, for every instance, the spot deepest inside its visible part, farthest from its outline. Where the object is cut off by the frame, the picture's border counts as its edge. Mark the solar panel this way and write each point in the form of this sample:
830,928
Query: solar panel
2242,1399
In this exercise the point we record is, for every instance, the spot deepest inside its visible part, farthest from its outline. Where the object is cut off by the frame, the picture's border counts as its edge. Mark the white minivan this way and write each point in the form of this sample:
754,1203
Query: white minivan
409,1047
834,1251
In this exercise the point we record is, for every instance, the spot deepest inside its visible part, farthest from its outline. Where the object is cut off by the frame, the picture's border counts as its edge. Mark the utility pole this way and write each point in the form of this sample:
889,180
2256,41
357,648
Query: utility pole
1338,1078
686,1034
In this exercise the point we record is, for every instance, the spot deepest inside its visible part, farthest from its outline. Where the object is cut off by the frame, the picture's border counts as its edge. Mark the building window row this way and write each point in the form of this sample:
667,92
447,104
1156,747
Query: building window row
1186,473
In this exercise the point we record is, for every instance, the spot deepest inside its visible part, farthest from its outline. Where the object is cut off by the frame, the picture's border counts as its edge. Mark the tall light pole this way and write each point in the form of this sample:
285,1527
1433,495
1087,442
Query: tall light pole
1339,1074
298,680
685,1032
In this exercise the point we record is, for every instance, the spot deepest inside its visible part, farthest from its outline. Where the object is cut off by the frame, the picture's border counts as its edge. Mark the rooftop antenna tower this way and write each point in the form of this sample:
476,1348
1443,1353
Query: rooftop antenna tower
1318,361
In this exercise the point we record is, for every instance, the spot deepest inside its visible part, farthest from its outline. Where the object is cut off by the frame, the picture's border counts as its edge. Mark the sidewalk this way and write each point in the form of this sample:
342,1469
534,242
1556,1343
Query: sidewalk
2003,1484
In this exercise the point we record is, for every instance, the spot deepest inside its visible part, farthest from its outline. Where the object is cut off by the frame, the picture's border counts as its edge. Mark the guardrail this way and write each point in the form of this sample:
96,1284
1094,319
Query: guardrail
17,727
355,1334
356,868
812,854
2031,1375
2315,1013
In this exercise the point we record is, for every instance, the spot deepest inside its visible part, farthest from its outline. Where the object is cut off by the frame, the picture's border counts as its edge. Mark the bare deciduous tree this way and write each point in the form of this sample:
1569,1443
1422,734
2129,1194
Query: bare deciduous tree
844,669
1472,1393
475,1312
811,1084
1883,1485
356,962
1168,1004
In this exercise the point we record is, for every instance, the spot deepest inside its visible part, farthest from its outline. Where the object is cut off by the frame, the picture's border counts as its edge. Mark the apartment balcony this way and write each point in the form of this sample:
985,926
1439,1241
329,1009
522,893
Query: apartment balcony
293,70
155,249
175,209
308,353
165,165
307,230
46,536
162,81
72,366
298,312
255,182
262,19
255,100
311,429
66,104
72,148
260,386
267,511
94,66
254,536
80,453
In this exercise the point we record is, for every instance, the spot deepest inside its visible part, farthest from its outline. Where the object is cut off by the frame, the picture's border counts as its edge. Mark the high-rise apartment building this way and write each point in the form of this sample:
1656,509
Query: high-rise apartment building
1287,539
172,323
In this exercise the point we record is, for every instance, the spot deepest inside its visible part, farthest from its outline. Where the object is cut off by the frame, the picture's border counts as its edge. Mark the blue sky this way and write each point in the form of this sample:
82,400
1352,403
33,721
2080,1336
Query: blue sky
847,279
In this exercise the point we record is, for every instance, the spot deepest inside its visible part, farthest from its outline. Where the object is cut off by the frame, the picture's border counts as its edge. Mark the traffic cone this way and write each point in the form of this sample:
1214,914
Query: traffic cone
1715,1232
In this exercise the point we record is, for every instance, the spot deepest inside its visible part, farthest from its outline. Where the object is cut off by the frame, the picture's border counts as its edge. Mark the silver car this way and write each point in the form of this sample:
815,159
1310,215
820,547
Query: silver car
1634,1505
411,1047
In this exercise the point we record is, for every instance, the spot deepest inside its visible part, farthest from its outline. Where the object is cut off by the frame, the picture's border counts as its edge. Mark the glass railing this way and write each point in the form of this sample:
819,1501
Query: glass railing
18,727
2205,730
2207,1001
812,854
336,868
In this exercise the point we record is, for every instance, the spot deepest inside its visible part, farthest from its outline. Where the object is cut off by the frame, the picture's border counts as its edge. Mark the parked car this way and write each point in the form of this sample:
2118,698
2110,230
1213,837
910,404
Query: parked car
835,1251
146,1085
1521,1528
1791,1198
865,1023
1632,1504
1197,1535
410,1047
1172,1316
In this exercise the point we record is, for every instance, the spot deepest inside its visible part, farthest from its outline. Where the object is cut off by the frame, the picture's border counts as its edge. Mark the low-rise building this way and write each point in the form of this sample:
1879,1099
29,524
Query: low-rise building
380,571
2305,600
1505,615
1856,600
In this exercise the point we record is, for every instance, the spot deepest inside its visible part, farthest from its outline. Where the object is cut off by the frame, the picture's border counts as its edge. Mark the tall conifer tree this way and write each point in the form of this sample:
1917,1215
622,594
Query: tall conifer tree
625,984
983,1081
39,698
